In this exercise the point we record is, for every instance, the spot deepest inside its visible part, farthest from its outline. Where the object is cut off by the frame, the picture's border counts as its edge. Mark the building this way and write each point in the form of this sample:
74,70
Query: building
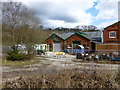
112,33
96,36
55,42
76,39
111,39
71,41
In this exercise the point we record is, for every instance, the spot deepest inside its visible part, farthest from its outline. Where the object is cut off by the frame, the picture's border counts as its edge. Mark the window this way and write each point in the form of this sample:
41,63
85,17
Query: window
54,38
112,34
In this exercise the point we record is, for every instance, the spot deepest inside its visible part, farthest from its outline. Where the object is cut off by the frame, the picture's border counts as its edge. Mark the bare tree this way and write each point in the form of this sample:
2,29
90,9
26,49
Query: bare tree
21,23
29,23
89,27
92,27
10,16
84,27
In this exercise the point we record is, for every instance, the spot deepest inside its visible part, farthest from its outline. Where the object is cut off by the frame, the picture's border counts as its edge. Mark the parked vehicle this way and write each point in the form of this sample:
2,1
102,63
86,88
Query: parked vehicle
116,59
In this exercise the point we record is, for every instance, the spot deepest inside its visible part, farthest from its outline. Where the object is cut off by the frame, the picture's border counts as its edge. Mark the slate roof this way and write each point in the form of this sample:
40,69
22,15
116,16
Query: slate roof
65,36
94,34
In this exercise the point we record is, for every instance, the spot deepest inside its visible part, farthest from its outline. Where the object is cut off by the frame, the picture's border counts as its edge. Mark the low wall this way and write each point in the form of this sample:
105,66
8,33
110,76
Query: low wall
109,47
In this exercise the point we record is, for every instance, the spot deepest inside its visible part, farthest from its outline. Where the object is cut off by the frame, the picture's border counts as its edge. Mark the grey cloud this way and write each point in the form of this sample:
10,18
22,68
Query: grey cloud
65,18
52,11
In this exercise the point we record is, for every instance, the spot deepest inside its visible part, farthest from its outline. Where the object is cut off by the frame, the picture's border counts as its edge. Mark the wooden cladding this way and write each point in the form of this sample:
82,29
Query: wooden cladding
108,47
109,36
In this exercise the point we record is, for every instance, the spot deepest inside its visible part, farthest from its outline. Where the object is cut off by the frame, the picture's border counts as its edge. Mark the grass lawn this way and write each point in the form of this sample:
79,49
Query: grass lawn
20,63
37,60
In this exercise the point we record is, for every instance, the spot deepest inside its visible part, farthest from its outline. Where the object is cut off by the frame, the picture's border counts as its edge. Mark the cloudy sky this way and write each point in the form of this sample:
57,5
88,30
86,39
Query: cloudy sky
71,13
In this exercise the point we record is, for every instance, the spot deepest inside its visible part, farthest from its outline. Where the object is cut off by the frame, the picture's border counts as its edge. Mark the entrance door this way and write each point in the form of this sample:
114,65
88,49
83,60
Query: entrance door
57,46
93,47
75,44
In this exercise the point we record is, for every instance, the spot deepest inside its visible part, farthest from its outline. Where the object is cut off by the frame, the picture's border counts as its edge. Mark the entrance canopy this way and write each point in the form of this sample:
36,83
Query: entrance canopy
81,46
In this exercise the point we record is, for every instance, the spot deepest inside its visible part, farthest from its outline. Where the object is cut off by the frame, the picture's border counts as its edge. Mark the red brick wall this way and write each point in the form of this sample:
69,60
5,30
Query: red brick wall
50,41
106,34
76,37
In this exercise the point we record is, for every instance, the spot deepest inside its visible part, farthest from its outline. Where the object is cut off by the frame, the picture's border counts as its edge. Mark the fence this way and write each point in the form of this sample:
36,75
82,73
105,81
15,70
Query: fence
108,48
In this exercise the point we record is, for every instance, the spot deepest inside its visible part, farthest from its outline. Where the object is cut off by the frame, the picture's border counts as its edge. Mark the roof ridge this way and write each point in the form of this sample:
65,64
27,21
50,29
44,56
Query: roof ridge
80,33
113,24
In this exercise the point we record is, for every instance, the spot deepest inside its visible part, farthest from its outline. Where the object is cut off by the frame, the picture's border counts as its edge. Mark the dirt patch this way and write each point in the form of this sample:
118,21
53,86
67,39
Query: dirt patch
69,78
53,65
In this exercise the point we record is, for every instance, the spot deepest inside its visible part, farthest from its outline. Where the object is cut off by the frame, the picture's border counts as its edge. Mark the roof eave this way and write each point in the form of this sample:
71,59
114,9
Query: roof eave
112,24
52,35
78,34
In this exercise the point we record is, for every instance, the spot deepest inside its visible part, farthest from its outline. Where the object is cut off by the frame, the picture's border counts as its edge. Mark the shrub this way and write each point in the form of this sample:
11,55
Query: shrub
15,55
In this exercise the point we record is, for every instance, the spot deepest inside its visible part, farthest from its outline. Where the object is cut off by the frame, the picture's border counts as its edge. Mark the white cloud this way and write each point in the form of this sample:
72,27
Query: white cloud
70,13
108,9
108,12
66,13
81,17
105,24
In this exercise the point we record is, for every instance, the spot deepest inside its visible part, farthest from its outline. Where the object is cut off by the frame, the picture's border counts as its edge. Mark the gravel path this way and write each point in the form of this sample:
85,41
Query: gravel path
51,65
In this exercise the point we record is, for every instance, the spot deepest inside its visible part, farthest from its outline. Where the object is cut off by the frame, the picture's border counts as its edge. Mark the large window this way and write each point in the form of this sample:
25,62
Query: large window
112,34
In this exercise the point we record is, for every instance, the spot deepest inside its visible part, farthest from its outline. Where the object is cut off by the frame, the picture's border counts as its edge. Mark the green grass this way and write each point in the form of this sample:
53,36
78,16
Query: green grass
37,60
20,63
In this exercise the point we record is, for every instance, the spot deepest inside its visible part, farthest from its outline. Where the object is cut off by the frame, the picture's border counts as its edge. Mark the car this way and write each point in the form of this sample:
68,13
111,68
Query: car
116,59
